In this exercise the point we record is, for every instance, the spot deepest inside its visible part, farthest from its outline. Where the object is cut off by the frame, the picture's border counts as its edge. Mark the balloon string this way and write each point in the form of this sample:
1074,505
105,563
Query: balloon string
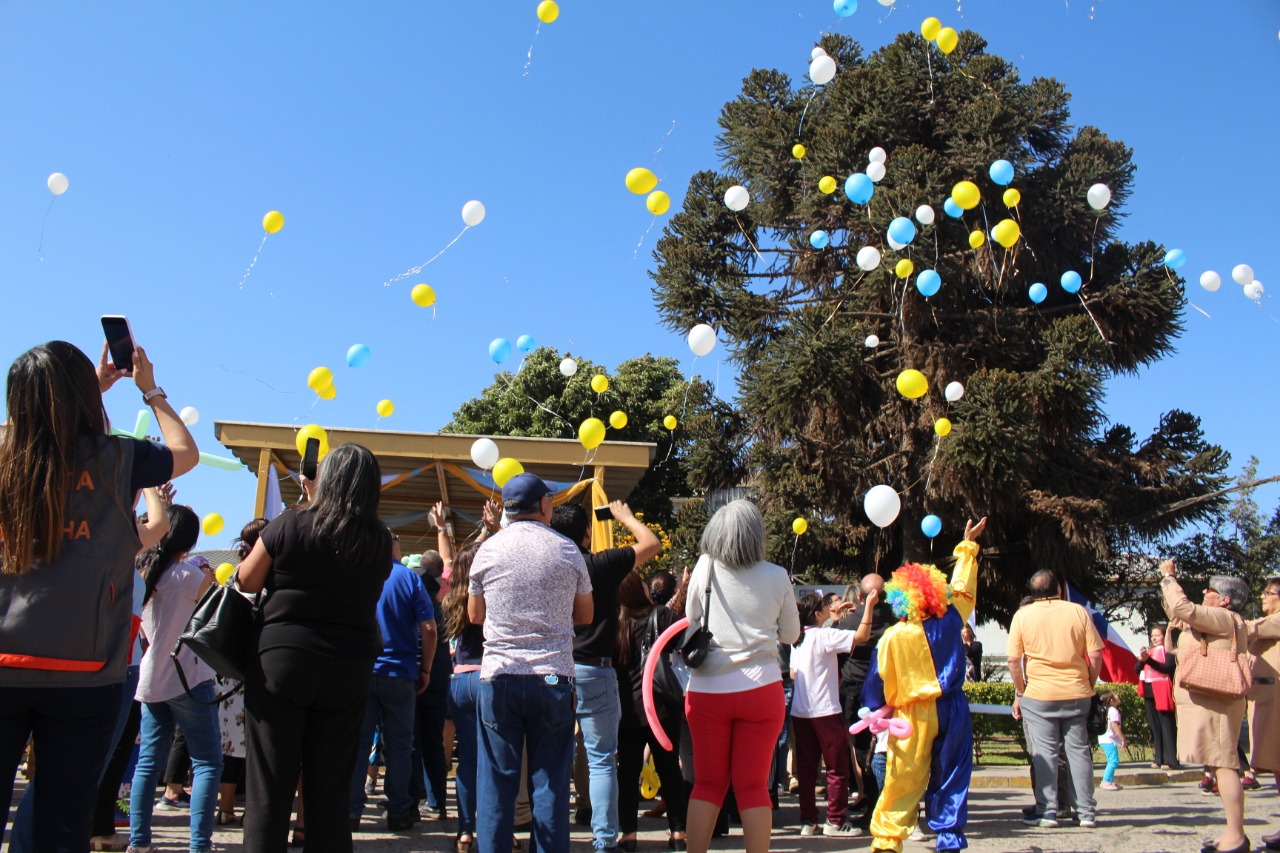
928,57
937,445
663,143
40,248
1093,318
314,403
245,277
636,253
255,379
1093,243
791,573
749,241
805,112
528,60
420,267
1184,294
511,388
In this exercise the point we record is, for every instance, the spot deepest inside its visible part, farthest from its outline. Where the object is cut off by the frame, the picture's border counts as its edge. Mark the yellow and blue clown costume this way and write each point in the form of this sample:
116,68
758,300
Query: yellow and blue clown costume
918,670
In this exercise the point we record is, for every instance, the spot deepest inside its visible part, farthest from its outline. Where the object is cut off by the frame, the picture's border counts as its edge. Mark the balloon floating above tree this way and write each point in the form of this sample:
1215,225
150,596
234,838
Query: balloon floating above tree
499,350
931,526
1242,274
1210,281
658,202
798,151
1037,293
548,11
819,239
953,392
526,344
273,221
670,422
618,420
591,433
822,70
845,8
859,188
599,383
568,367
57,183
928,283
1174,259
799,526
882,505
827,184
423,296
1098,196
1001,172
912,384
736,198
1071,281
702,339
868,258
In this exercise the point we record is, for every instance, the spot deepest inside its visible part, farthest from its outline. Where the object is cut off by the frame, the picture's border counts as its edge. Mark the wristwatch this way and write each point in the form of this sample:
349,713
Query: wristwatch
153,393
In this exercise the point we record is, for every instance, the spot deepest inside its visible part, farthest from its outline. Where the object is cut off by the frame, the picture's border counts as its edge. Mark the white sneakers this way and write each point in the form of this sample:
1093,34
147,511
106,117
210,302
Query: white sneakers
830,830
809,830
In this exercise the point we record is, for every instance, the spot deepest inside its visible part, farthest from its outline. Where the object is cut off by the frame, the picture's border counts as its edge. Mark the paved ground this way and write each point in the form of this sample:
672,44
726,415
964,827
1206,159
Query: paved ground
1152,814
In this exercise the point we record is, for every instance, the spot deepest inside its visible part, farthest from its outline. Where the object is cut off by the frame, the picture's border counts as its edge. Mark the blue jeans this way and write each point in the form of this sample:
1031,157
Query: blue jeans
390,702
532,713
879,766
599,710
464,691
1112,752
199,723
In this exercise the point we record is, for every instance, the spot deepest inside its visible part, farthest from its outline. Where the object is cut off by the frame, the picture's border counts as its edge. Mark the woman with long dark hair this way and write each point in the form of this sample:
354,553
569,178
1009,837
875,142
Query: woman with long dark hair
67,544
173,587
464,690
323,567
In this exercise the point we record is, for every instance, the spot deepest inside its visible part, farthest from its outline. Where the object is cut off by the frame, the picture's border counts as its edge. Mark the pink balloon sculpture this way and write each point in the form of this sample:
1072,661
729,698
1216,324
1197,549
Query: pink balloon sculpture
646,683
879,720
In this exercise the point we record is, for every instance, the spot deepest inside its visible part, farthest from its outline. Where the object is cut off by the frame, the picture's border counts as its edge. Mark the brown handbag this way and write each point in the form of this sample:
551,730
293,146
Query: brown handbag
1218,672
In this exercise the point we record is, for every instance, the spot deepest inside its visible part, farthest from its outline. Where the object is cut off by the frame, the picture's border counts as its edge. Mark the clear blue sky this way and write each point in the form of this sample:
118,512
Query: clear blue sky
369,125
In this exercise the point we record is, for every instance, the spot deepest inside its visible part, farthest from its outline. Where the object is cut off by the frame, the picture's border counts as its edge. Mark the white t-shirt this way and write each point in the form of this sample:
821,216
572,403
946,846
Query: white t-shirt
163,618
817,672
1113,716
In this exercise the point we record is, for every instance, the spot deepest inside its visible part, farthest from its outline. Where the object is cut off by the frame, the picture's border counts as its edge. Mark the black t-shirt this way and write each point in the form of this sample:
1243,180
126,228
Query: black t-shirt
607,569
152,466
854,669
631,677
318,600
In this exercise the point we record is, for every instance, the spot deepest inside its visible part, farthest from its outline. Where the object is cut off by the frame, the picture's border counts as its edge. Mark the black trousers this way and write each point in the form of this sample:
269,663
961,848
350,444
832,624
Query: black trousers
303,713
104,809
430,711
631,743
1164,734
178,769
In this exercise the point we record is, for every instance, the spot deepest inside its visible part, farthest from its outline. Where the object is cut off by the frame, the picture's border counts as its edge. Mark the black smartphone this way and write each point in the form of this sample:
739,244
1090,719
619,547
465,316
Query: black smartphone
310,457
603,513
119,340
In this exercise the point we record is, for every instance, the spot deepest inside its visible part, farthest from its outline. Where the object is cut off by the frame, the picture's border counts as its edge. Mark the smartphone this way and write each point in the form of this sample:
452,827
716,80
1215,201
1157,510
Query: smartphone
310,457
603,513
119,340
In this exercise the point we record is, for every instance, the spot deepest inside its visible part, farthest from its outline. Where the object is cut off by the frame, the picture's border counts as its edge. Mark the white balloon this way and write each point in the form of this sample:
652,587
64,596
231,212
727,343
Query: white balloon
876,155
1242,273
568,367
882,505
868,258
1253,290
925,214
894,244
473,213
58,183
887,2
1098,196
822,70
1210,281
953,392
189,416
484,452
702,339
872,342
875,171
816,52
737,198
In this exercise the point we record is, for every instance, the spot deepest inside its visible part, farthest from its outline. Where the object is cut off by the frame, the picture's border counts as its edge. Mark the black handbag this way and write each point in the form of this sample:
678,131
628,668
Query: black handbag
667,692
697,641
219,632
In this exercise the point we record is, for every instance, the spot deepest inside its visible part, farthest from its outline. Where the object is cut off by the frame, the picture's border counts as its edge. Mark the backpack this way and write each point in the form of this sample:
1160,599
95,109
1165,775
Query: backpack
1096,724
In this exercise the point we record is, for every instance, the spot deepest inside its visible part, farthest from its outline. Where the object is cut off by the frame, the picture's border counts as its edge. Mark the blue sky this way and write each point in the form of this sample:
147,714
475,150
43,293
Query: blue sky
370,125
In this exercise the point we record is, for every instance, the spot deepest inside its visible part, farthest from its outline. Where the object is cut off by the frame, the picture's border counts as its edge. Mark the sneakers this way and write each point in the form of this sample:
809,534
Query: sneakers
1088,823
369,787
400,822
809,830
1109,786
840,830
168,805
1042,822
147,849
919,834
1207,786
1251,783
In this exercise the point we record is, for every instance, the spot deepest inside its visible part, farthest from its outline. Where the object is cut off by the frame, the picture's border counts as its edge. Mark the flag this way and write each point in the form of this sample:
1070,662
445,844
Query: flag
274,502
1118,660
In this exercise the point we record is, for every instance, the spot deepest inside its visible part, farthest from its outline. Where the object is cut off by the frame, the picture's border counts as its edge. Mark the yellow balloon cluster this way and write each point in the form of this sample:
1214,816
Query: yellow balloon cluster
912,384
599,383
504,469
904,268
328,392
799,526
386,408
319,378
930,27
946,37
670,422
1006,233
312,431
827,184
658,202
224,572
618,420
212,524
548,11
423,295
641,181
591,433
798,151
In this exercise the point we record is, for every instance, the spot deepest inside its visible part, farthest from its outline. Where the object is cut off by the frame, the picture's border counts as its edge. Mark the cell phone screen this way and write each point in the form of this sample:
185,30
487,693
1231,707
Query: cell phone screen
119,341
603,513
310,457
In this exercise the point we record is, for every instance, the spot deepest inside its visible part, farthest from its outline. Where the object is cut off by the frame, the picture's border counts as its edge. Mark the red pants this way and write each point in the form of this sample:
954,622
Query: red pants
826,738
734,735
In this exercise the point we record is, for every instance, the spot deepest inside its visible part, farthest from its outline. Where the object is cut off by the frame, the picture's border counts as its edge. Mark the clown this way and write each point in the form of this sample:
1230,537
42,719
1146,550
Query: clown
918,671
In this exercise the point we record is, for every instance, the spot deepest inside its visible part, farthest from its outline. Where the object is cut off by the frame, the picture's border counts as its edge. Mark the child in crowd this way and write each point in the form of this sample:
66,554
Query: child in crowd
1112,740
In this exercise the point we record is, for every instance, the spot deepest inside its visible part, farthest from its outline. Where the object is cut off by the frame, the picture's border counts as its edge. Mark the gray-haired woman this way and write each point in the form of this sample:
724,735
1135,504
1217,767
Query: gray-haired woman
1209,726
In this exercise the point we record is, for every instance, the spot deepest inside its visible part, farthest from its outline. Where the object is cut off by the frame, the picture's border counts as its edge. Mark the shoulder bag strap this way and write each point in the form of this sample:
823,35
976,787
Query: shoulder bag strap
182,676
706,603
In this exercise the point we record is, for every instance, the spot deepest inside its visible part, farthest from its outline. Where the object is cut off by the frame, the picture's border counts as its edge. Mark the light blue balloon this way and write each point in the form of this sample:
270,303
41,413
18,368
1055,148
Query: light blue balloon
1001,172
1175,258
902,230
859,188
931,526
952,209
358,355
526,343
845,8
1037,292
928,283
819,239
1071,281
499,350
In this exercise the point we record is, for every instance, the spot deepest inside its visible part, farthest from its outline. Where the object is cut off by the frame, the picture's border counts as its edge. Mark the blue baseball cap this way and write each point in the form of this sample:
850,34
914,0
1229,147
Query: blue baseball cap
524,491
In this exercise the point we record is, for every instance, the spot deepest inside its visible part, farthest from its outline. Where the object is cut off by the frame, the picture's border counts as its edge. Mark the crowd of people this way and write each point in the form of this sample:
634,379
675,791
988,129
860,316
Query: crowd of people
518,652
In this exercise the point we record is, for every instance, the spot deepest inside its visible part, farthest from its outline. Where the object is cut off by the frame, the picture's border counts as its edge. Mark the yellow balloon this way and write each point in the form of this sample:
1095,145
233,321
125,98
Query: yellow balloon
827,185
929,28
1012,198
591,433
912,384
641,181
618,420
212,524
224,572
966,194
386,408
976,239
599,383
1006,233
273,221
904,268
328,392
798,151
670,422
658,202
650,784
423,296
942,426
548,11
947,39
799,526
504,469
319,379
312,431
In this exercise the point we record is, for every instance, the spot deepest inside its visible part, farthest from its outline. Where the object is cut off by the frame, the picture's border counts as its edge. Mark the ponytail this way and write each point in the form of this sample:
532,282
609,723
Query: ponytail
184,530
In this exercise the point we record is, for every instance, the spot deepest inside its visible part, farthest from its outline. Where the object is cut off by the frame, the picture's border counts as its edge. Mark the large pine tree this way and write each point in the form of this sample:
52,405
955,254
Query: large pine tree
1031,446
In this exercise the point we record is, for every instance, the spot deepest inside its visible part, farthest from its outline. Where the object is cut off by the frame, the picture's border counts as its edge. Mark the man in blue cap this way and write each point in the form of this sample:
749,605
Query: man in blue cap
529,587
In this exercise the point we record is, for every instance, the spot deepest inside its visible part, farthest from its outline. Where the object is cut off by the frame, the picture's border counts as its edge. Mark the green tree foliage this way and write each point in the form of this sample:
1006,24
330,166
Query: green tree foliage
1031,446
539,401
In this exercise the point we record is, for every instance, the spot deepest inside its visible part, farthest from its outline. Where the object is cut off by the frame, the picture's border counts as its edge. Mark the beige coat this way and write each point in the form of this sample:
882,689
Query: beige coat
1208,726
1264,698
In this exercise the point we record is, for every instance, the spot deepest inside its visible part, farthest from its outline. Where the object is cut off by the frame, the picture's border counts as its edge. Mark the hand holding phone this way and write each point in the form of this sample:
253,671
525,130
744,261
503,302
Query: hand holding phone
310,456
604,513
119,341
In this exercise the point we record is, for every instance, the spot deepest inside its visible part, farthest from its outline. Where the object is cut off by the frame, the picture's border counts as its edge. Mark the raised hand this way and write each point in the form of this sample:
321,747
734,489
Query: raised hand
973,531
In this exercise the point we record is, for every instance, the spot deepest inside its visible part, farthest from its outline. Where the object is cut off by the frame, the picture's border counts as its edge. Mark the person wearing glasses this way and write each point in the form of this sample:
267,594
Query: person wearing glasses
1264,698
